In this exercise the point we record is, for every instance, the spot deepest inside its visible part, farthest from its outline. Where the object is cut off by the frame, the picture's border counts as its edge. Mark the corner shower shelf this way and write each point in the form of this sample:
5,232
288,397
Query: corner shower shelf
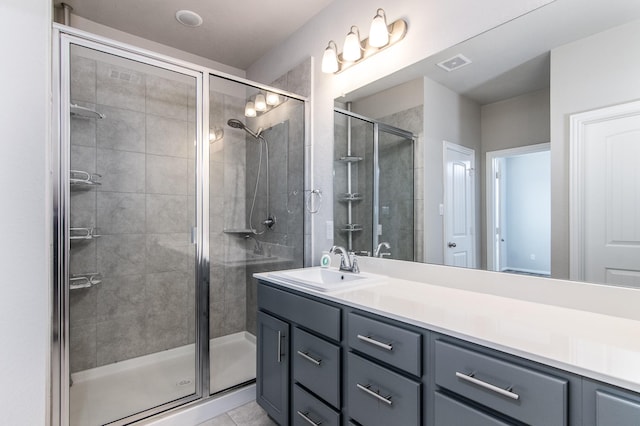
240,231
84,112
79,281
351,227
81,179
82,234
350,159
347,196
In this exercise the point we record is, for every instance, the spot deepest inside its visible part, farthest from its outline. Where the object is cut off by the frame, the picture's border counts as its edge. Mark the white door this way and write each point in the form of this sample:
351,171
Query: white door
459,206
609,140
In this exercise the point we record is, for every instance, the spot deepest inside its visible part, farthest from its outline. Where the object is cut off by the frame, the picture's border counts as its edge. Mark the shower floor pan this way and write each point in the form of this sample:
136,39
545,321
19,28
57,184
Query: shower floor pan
105,394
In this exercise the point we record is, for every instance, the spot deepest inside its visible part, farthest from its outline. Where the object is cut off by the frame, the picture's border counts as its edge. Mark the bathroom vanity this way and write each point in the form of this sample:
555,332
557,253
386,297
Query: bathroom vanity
401,352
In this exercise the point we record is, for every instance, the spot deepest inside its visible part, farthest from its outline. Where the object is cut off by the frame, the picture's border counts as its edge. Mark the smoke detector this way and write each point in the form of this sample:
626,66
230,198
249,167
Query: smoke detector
454,63
188,18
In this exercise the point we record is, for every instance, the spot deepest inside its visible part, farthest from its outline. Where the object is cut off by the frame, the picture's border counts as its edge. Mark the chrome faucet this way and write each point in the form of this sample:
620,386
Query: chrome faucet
348,261
378,252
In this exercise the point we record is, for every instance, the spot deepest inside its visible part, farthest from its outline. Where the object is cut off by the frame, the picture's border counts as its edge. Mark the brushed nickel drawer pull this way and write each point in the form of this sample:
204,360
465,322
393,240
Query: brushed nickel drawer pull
368,339
305,416
367,389
309,358
279,347
504,392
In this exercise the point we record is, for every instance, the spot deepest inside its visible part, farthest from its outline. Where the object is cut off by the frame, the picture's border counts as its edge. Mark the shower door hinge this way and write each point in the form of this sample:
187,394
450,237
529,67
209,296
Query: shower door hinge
194,235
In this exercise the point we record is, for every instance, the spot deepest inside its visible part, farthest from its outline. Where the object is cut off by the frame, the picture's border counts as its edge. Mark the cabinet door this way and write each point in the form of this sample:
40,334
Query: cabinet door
273,367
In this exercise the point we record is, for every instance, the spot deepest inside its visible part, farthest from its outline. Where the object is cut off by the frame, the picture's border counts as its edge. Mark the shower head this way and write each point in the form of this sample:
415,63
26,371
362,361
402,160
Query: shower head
237,124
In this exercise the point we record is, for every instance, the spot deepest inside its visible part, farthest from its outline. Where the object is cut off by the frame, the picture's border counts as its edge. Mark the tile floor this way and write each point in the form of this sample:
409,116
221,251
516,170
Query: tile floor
249,414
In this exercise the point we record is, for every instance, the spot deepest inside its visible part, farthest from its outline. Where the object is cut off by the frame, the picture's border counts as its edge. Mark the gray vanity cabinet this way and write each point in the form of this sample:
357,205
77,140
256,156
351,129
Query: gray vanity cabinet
272,380
606,405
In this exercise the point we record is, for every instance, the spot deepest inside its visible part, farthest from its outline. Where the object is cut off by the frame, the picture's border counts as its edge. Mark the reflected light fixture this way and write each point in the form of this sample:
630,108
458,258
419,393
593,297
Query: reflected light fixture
381,36
250,109
216,134
272,99
260,103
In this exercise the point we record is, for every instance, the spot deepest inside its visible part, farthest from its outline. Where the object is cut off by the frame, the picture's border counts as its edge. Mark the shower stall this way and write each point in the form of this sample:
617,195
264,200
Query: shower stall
168,197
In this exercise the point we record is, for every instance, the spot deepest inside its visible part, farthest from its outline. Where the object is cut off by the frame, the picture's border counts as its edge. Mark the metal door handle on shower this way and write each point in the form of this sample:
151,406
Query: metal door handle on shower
452,245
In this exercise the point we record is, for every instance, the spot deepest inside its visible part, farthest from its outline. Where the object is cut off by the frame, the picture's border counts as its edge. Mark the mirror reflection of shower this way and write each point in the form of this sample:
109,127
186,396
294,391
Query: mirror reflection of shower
270,220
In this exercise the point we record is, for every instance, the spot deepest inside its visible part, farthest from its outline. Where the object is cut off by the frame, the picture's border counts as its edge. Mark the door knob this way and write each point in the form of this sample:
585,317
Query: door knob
451,245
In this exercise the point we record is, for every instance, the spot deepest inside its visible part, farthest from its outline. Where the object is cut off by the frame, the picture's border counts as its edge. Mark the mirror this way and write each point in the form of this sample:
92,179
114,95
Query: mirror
505,100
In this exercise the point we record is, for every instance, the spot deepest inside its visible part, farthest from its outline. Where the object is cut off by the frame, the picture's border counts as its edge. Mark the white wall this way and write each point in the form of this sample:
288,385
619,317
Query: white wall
433,26
24,217
591,73
456,119
391,101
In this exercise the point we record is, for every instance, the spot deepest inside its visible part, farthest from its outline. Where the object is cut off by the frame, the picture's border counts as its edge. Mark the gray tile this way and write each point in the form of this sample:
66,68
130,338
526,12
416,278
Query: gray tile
250,414
166,175
216,214
121,213
166,331
120,339
235,215
216,179
82,257
82,305
167,136
299,79
121,296
234,315
216,283
222,420
234,283
83,209
167,98
83,130
216,319
120,255
121,129
167,214
82,347
168,252
83,158
167,293
83,79
120,87
121,171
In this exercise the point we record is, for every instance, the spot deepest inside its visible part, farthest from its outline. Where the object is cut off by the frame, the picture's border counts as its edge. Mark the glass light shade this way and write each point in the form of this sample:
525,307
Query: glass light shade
352,49
330,59
272,98
250,110
260,103
379,33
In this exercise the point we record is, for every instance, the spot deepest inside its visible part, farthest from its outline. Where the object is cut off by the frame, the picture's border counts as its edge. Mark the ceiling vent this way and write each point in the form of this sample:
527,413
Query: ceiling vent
454,63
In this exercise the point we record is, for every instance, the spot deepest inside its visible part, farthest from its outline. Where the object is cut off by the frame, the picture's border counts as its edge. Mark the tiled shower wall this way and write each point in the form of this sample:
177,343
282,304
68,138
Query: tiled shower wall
144,209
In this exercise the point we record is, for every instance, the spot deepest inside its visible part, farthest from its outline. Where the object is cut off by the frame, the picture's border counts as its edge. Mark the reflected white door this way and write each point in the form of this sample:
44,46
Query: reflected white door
459,201
610,144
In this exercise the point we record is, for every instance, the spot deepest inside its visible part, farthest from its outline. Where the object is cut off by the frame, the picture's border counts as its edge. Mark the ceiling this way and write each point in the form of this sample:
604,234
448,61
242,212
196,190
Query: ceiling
236,33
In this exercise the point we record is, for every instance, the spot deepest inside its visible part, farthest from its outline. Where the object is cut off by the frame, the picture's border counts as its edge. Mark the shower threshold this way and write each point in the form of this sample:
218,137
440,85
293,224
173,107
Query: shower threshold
105,394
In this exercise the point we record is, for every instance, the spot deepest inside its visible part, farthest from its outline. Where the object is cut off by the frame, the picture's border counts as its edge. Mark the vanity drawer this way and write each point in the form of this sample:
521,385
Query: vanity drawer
307,410
394,345
316,365
310,314
449,411
524,394
378,396
613,410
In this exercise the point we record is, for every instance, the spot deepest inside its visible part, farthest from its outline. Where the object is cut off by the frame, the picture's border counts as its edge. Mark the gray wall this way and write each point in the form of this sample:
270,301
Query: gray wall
144,210
595,72
452,118
515,122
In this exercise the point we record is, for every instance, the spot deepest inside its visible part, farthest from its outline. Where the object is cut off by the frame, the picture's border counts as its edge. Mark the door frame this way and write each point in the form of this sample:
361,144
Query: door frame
577,132
491,166
471,214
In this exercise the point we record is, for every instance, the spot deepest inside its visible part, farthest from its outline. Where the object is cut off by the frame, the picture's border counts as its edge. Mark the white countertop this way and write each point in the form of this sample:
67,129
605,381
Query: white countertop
595,345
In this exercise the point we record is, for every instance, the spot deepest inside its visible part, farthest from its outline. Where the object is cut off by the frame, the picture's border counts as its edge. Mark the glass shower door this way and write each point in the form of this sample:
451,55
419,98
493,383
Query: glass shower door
130,235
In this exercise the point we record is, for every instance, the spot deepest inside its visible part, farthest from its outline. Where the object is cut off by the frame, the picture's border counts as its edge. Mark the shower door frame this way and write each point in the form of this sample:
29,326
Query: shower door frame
63,38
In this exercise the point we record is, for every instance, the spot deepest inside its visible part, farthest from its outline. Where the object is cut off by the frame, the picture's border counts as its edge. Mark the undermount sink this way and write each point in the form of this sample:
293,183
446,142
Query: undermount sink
325,279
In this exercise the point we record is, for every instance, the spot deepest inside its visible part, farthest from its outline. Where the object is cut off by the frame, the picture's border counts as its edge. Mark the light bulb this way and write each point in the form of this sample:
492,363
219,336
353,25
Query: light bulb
330,58
273,99
250,109
379,33
352,48
260,103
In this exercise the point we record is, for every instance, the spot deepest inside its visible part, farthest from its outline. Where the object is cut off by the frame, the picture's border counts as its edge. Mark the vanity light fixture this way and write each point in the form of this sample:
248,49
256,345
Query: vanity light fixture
250,109
381,36
260,103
